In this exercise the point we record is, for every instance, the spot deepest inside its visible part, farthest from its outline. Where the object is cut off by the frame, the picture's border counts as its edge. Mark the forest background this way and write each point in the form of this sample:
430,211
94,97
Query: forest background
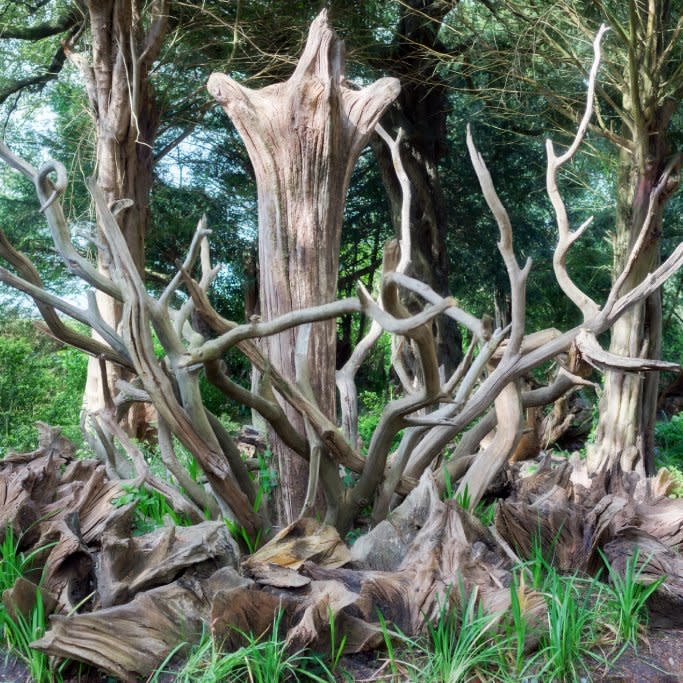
117,91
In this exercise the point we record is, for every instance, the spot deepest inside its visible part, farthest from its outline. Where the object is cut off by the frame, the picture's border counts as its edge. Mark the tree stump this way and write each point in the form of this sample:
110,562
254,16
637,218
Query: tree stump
303,137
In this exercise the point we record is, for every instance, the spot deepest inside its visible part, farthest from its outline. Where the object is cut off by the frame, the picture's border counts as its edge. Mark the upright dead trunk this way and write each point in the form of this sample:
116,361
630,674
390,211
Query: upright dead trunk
126,119
303,137
625,434
421,112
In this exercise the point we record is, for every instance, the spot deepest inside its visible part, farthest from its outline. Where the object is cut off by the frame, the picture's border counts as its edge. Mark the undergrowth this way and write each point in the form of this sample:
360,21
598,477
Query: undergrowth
20,630
151,509
262,659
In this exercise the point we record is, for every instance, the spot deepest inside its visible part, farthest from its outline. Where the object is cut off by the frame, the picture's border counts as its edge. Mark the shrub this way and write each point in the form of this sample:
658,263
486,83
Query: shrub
39,380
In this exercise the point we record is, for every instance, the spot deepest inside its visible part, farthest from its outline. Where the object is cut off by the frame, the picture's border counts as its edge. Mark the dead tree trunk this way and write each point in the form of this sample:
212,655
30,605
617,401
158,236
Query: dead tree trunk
303,137
126,120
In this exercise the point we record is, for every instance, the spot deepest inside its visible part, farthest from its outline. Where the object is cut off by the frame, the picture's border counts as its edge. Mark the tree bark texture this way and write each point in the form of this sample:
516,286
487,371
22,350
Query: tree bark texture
126,118
303,137
625,434
421,110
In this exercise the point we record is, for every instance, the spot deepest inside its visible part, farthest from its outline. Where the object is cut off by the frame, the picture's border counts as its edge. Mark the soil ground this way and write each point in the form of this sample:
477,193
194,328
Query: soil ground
660,660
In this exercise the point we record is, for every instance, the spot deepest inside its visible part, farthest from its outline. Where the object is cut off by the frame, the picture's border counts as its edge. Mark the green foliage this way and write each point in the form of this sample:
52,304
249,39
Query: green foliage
371,407
669,440
151,509
573,624
582,617
38,381
485,512
240,534
628,598
262,659
267,476
371,411
337,643
14,563
19,631
459,643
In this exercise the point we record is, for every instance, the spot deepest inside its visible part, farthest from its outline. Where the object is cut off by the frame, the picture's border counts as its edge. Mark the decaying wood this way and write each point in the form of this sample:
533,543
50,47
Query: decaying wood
153,593
303,540
576,519
123,603
130,565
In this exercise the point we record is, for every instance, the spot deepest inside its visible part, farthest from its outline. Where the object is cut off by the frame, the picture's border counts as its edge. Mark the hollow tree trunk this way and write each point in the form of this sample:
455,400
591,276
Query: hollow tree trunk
126,119
421,111
625,434
303,137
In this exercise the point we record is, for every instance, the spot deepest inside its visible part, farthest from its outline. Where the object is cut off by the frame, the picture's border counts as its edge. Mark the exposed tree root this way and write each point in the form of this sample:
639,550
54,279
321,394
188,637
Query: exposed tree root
123,603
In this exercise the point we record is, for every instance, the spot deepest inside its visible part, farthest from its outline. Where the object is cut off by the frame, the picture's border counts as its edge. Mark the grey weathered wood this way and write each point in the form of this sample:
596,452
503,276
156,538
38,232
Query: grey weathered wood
303,137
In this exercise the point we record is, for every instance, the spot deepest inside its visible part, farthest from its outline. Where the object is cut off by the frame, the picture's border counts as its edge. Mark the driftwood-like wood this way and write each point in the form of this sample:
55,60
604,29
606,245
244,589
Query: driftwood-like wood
576,519
152,593
84,556
123,603
303,137
130,565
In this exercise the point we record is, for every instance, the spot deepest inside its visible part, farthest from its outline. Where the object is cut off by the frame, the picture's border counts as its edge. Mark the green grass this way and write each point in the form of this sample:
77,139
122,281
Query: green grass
584,621
628,597
19,631
459,644
262,659
151,509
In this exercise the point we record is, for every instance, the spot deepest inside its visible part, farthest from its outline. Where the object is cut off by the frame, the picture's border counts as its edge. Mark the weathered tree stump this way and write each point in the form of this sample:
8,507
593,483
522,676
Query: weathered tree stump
303,137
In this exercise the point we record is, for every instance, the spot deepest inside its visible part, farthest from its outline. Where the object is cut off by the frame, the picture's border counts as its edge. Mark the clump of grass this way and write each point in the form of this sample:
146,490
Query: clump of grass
14,564
627,601
151,509
460,643
458,646
574,621
262,659
19,631
573,625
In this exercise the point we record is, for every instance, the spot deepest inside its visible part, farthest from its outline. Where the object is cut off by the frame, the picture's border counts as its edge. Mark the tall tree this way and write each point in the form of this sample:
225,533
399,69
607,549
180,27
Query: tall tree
125,41
648,36
523,54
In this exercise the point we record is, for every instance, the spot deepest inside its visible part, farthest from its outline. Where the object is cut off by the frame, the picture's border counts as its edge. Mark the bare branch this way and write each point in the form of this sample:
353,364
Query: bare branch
595,355
428,294
215,348
192,254
195,491
566,237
